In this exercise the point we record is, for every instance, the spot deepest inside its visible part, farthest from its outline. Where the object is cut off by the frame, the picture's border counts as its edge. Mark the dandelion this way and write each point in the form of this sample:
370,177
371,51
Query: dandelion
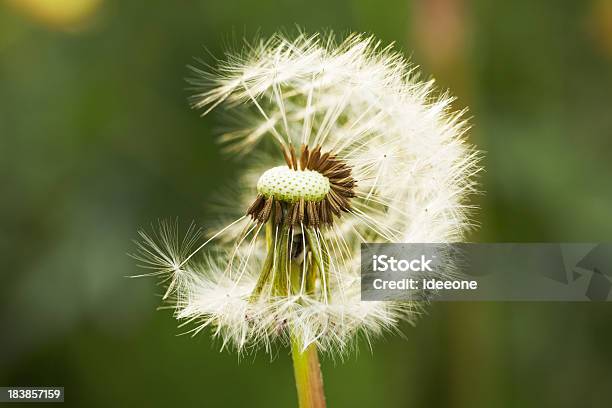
362,151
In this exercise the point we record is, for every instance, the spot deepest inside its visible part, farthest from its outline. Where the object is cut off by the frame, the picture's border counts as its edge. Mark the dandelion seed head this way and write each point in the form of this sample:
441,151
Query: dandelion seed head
341,143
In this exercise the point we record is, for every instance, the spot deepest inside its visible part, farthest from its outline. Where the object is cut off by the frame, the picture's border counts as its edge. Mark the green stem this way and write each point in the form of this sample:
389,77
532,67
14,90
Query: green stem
308,379
281,285
268,263
321,259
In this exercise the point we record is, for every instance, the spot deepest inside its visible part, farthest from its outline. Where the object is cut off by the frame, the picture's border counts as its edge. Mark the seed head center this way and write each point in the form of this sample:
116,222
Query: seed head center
289,185
310,190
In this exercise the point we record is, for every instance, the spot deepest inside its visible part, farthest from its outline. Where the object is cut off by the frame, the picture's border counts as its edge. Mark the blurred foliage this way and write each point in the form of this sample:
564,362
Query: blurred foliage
97,140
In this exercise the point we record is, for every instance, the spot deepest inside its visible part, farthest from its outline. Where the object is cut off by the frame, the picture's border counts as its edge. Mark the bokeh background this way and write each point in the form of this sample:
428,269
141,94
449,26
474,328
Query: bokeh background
97,140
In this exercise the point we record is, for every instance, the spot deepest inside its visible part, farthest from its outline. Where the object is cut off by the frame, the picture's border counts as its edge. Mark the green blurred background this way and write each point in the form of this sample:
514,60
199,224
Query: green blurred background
97,140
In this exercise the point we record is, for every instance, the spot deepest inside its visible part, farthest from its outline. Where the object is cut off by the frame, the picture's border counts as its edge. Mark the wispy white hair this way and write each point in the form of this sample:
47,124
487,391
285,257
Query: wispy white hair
407,149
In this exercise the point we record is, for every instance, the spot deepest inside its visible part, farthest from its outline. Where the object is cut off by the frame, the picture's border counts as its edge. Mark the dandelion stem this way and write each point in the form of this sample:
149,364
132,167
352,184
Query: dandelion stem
308,379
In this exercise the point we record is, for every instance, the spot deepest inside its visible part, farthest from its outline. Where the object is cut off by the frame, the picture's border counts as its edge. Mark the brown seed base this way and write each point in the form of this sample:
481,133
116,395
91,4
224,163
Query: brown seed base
310,213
